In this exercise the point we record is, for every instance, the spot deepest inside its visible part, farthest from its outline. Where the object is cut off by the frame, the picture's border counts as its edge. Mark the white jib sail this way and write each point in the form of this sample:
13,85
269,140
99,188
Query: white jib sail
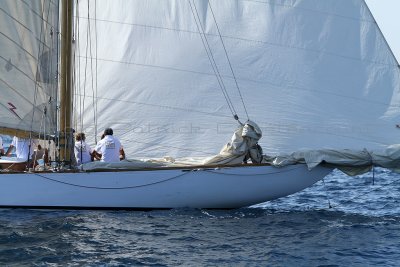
28,65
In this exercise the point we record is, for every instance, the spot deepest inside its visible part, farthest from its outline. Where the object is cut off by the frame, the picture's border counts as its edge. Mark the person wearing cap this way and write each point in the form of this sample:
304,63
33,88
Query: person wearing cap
110,147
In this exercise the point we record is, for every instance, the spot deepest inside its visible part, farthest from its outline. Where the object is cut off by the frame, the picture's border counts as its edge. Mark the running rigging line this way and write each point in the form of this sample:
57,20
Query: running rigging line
227,57
213,62
90,68
95,93
211,59
41,49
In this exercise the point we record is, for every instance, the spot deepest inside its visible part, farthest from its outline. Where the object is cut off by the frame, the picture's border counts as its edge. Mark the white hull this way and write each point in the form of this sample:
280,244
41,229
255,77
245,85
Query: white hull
155,189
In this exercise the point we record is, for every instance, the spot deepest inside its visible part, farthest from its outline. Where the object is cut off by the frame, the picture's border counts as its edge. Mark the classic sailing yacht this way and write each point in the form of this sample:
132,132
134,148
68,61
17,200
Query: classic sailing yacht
173,78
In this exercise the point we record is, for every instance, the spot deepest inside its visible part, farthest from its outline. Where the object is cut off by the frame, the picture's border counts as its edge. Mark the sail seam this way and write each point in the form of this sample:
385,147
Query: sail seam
161,106
22,25
243,79
308,50
320,52
34,12
25,74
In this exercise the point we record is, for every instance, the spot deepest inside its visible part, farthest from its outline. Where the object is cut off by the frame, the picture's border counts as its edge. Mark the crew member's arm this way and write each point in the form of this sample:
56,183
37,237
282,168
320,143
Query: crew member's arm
121,154
10,148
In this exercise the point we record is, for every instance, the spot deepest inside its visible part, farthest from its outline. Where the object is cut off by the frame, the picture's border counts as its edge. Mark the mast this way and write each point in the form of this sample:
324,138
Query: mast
66,137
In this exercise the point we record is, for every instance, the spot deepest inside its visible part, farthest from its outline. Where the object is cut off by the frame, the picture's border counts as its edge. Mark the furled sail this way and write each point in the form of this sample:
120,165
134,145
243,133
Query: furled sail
28,66
313,74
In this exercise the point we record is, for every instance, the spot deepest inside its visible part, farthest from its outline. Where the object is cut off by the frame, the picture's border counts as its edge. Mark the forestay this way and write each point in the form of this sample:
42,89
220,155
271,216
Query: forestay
313,74
28,66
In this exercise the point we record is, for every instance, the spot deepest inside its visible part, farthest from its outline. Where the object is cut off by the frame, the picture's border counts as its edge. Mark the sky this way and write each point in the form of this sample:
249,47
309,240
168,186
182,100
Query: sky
387,15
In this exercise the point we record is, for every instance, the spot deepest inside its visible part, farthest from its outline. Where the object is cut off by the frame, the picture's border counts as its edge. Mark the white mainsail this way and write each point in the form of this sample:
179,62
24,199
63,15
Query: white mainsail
28,66
313,74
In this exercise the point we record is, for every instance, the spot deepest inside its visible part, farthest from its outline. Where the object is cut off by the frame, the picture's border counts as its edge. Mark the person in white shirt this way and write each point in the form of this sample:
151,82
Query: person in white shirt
1,147
110,147
23,147
83,152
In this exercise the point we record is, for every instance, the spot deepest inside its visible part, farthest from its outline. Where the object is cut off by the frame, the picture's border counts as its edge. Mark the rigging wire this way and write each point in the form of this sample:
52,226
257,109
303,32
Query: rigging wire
75,81
230,65
89,68
75,75
40,51
88,44
96,92
77,71
39,75
48,112
212,59
92,72
62,127
58,78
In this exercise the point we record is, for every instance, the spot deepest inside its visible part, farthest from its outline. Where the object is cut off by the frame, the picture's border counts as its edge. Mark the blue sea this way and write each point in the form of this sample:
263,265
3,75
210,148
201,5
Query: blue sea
343,221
